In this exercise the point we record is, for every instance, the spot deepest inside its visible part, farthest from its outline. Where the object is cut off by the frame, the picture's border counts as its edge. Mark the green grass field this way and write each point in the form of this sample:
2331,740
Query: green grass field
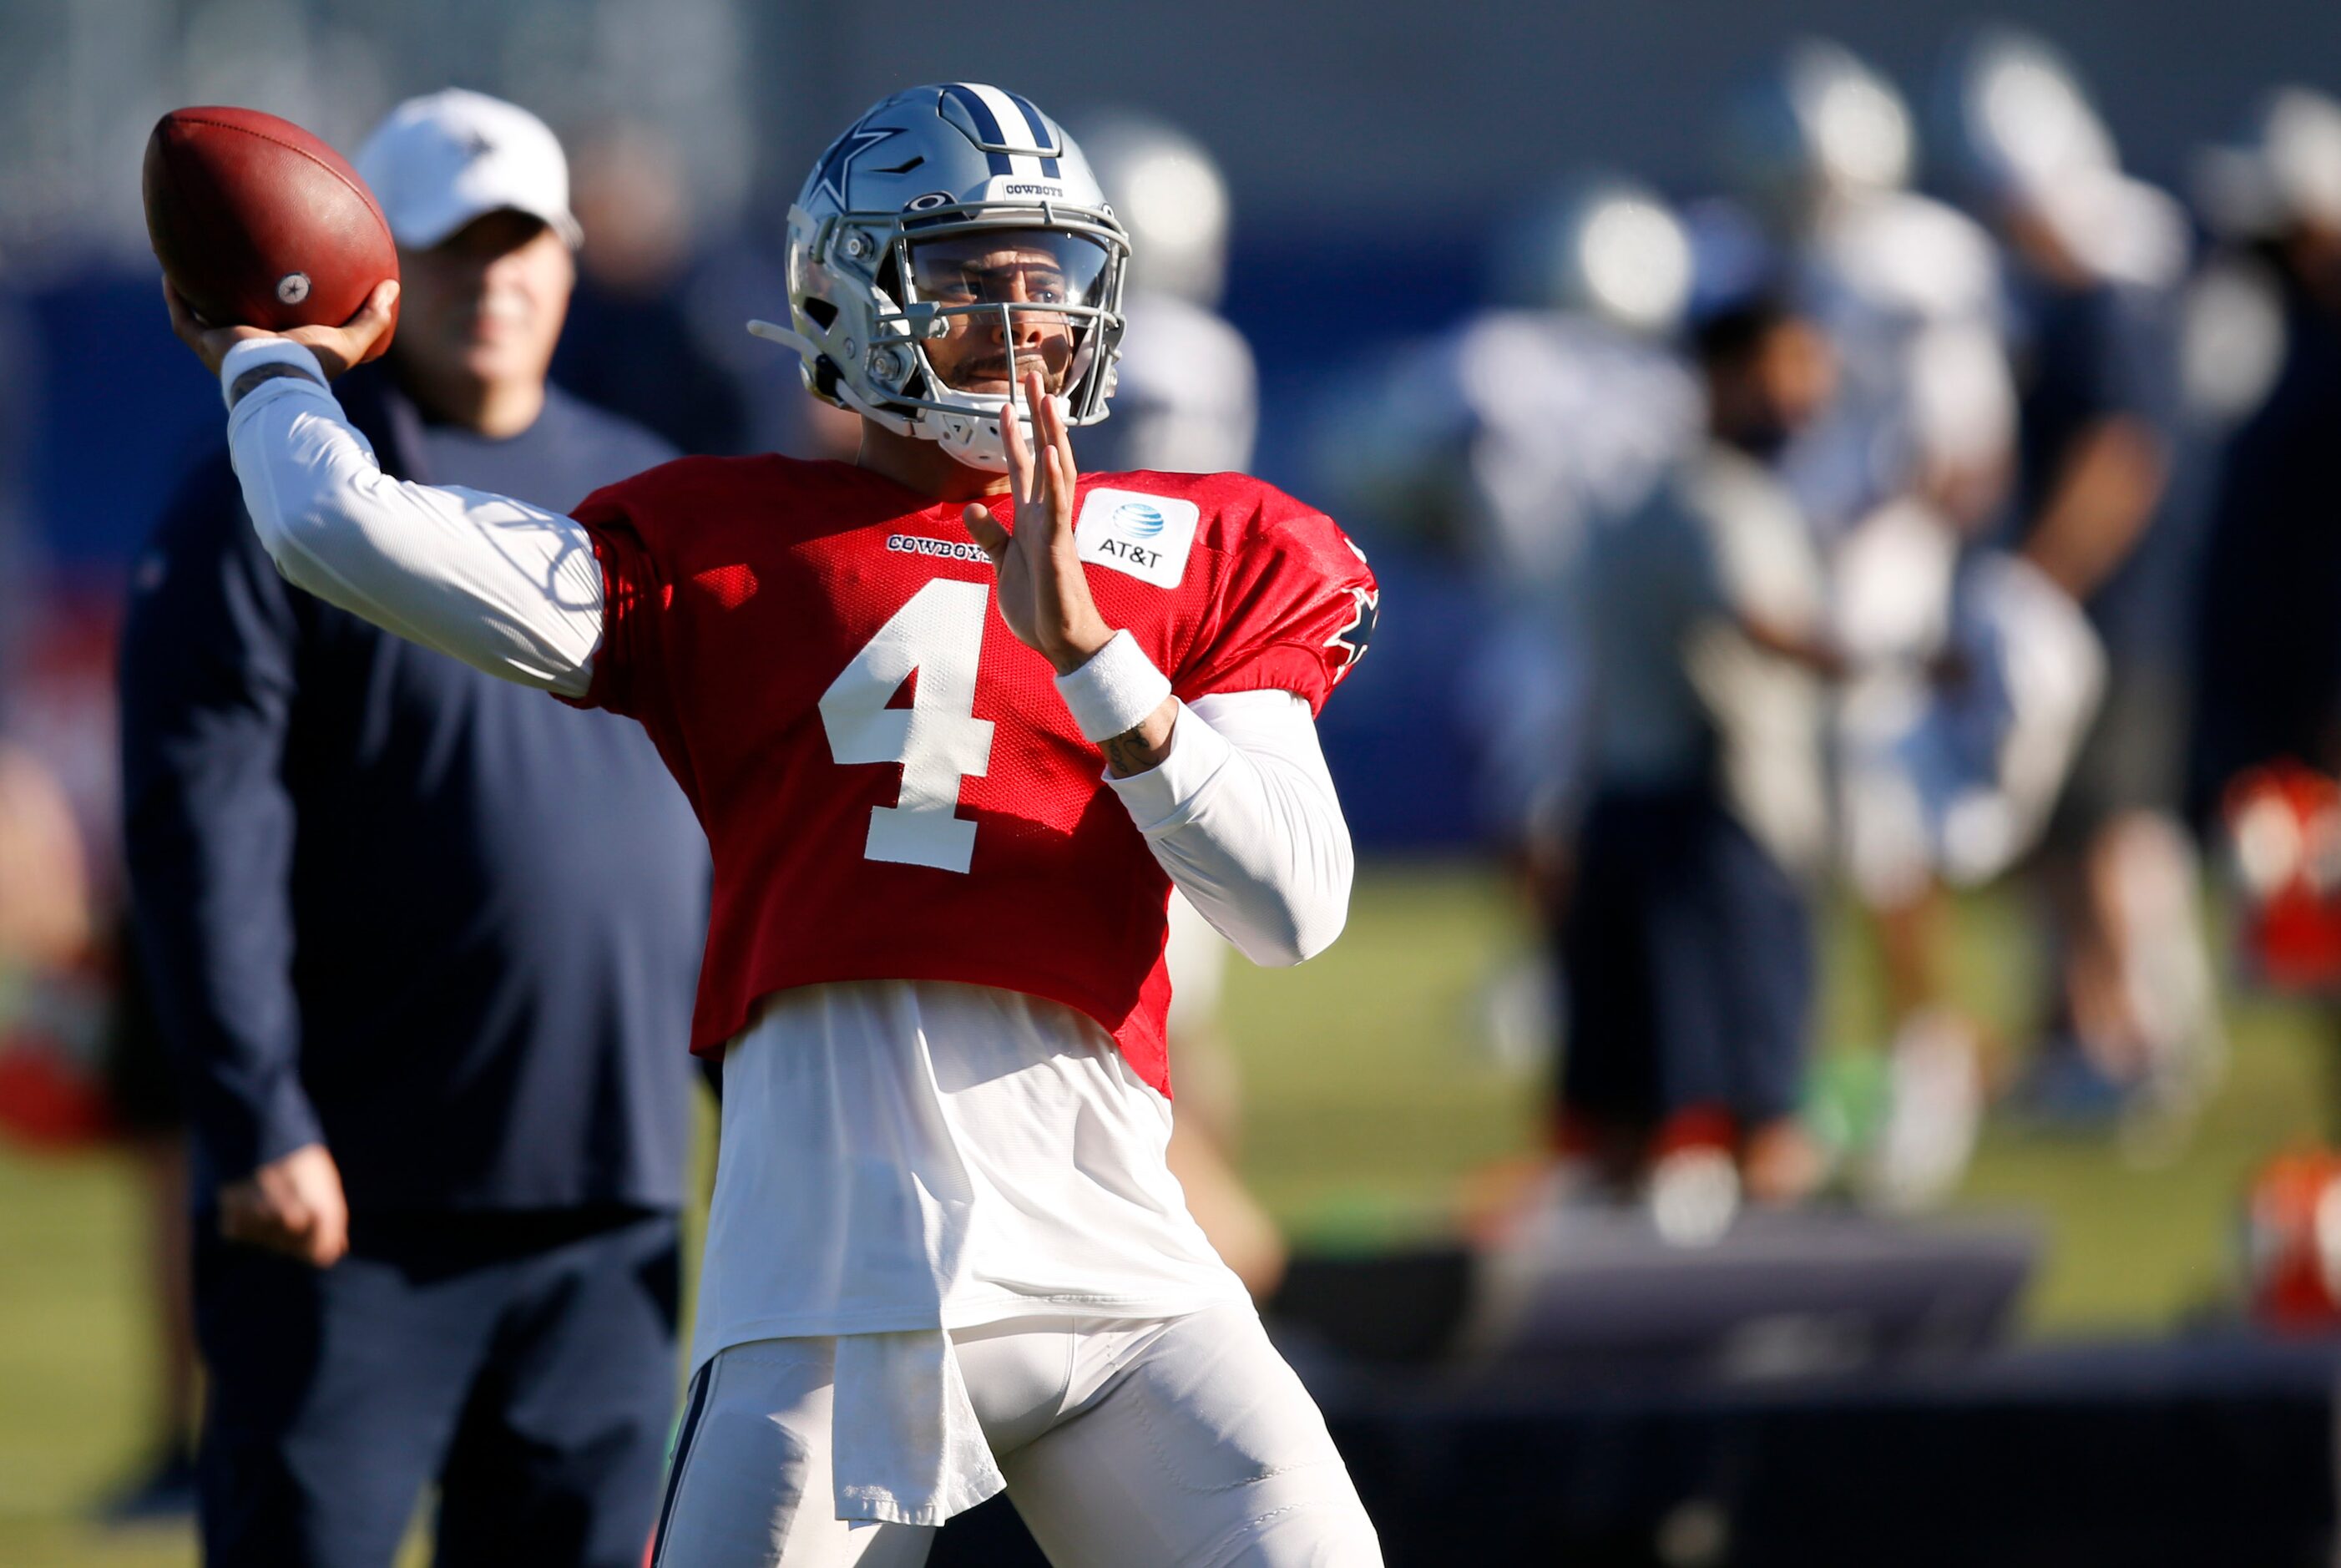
1369,1100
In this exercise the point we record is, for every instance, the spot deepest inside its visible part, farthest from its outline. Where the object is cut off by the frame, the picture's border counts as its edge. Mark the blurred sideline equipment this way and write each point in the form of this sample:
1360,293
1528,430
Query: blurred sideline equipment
257,222
1604,1296
2292,1246
2283,824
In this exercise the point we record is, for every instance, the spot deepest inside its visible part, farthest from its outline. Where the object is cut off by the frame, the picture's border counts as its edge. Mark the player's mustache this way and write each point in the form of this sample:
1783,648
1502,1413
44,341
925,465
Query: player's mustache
997,367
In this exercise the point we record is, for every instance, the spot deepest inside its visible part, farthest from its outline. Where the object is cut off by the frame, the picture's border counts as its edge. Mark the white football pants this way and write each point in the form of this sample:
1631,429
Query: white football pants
1126,1444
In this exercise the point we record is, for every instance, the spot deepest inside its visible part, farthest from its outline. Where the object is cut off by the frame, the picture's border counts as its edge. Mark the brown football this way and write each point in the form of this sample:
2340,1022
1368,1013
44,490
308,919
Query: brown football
257,223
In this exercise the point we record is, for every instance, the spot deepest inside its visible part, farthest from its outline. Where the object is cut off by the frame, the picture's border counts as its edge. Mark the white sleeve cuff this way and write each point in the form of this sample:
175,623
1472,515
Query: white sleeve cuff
1112,693
1161,797
254,352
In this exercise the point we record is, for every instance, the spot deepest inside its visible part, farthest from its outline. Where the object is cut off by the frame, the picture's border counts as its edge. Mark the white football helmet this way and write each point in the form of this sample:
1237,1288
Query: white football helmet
2287,171
2013,118
1600,242
1820,127
887,254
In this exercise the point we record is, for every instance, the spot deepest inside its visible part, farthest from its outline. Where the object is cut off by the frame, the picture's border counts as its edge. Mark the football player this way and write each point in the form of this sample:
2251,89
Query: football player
945,1255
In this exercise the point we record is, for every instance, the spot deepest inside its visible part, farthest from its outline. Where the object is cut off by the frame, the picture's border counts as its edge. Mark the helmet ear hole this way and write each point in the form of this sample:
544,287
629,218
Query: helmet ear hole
822,314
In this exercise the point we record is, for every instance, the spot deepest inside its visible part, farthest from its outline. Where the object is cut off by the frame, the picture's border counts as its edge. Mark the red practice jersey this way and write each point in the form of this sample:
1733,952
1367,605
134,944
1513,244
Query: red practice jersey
889,784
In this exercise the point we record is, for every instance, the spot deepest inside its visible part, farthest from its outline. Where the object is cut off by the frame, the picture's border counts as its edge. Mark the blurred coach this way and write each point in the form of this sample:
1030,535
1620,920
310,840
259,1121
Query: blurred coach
425,945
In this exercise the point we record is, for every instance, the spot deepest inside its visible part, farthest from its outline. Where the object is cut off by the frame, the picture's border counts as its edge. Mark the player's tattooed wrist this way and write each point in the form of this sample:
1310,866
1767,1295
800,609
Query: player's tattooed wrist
1128,752
259,372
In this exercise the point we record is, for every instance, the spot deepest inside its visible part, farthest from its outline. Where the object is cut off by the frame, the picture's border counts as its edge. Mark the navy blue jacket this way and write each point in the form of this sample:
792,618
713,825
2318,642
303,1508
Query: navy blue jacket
2268,633
444,923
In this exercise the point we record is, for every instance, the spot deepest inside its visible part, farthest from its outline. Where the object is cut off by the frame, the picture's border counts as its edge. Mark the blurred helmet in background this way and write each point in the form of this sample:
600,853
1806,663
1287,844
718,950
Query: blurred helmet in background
1172,200
1604,245
1821,127
2016,128
2285,174
2012,119
927,174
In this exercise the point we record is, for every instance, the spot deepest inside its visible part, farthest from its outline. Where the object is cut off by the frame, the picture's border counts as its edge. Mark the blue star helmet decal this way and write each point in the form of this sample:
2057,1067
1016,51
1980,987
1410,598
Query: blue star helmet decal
1352,639
832,174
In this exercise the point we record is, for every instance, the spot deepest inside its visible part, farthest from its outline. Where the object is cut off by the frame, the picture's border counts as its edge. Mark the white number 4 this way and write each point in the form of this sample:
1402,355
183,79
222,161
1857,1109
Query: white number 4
938,739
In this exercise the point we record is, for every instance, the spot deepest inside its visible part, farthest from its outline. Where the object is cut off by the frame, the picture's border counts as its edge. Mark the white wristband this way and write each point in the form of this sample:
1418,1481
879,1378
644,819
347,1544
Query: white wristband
1112,693
254,352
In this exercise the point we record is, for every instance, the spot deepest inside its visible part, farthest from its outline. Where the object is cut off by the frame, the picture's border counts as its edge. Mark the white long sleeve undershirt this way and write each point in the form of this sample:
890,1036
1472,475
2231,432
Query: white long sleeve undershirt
1240,814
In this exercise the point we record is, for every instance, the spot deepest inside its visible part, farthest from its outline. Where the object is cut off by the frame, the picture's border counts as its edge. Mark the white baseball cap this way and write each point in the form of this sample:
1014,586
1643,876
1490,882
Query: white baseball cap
442,160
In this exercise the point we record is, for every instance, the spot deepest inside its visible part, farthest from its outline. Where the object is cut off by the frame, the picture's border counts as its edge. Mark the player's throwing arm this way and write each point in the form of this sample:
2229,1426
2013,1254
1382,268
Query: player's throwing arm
506,587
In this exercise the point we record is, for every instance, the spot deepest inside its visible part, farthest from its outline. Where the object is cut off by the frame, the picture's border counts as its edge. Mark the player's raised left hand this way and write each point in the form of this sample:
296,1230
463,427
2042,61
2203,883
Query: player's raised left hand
1044,593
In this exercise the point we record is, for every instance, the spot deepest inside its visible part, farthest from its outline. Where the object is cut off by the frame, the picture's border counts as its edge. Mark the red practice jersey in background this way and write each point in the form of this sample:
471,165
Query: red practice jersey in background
891,787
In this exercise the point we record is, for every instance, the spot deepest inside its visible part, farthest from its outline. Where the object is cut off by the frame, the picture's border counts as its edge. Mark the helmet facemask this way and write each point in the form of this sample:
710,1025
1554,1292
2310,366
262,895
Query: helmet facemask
933,280
981,306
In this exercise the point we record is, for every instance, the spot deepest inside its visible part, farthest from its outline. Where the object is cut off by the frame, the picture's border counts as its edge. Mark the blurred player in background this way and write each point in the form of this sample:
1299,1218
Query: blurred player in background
423,946
1511,438
945,1254
1688,940
1185,401
2096,259
1504,445
1938,779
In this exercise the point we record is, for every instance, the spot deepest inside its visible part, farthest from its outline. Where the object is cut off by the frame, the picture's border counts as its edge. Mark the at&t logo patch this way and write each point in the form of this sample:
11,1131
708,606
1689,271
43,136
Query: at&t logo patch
1148,537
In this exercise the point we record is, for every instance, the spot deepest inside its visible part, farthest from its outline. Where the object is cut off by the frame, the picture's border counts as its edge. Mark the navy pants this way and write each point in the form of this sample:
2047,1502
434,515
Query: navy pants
1690,958
525,1362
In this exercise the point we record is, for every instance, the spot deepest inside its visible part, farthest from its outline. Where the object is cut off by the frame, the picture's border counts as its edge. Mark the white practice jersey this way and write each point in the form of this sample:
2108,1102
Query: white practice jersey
1911,296
1543,425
